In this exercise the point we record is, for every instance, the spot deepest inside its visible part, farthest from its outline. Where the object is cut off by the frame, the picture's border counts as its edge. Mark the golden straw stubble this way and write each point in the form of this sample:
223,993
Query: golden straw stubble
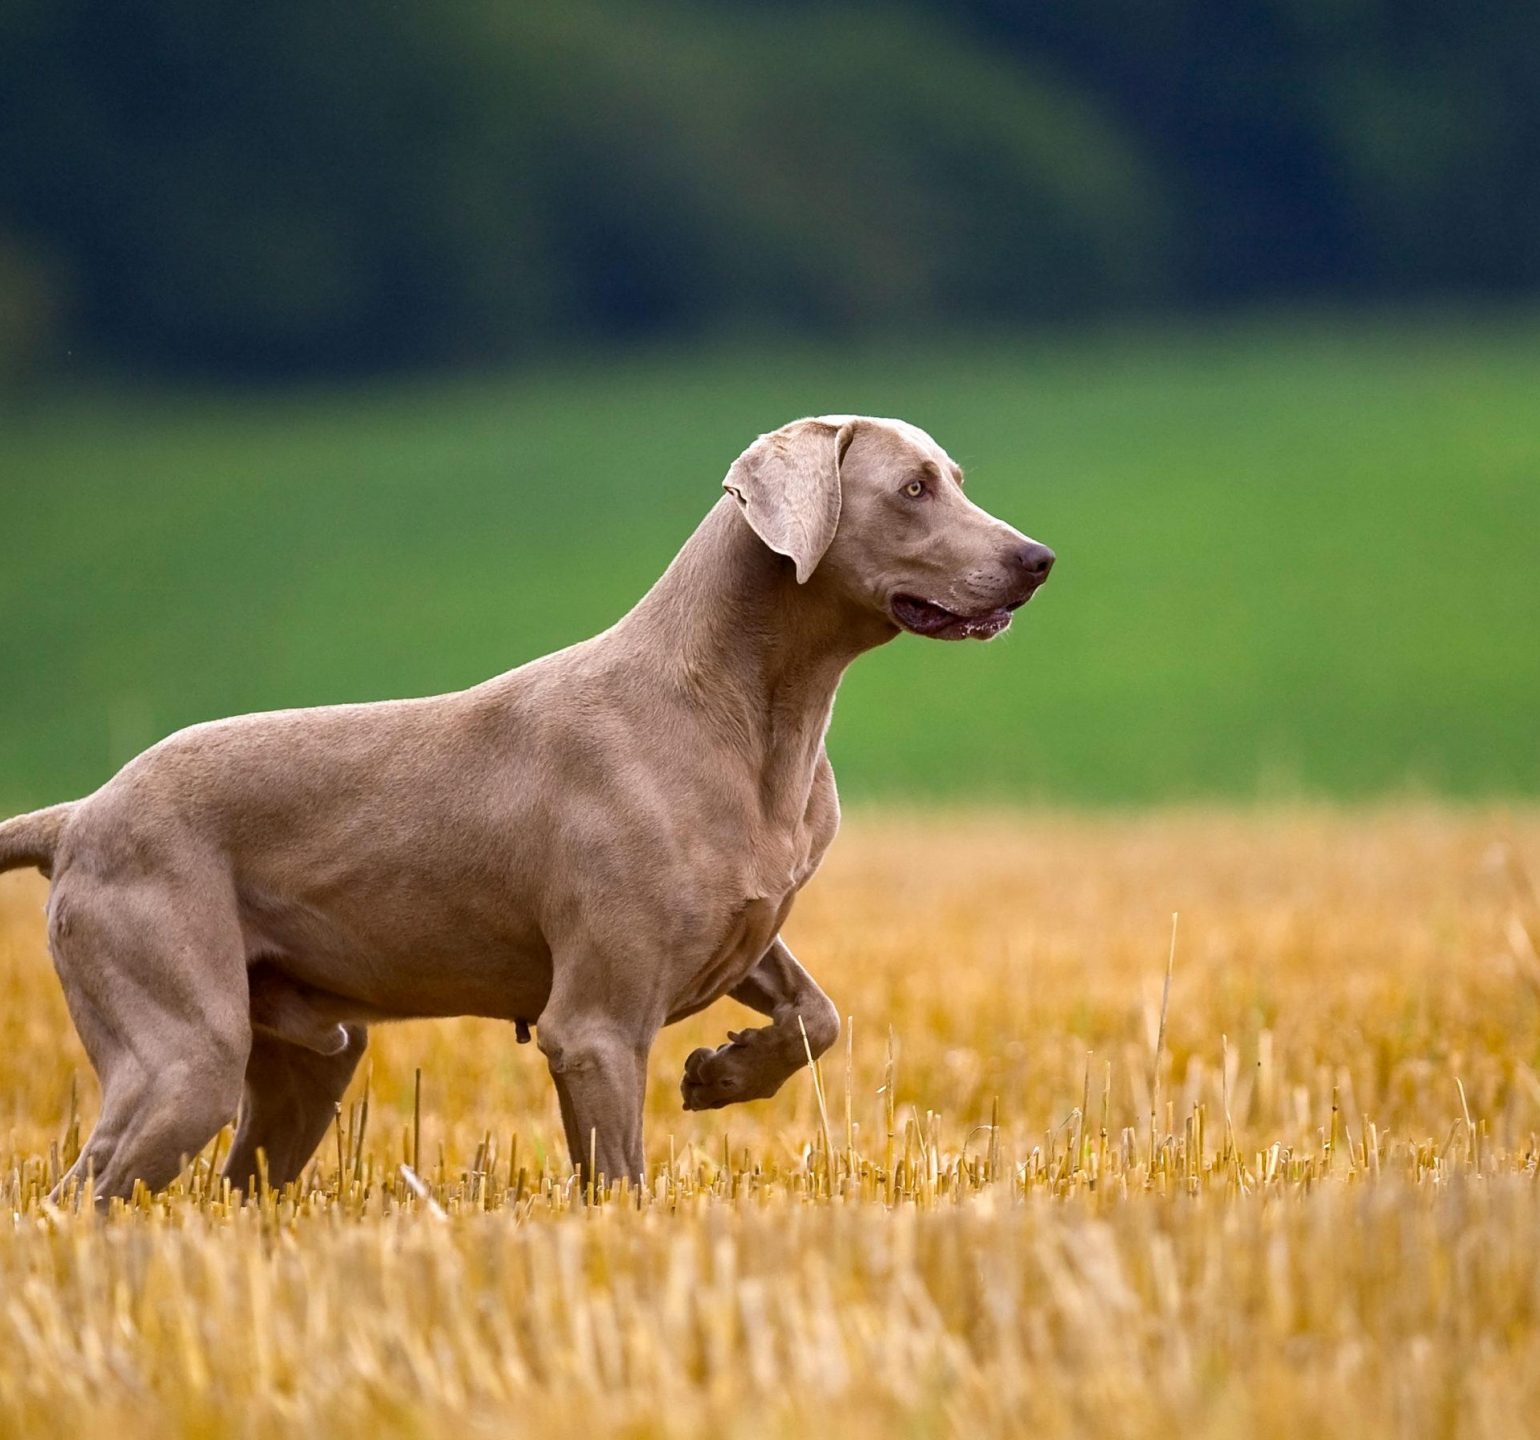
967,1221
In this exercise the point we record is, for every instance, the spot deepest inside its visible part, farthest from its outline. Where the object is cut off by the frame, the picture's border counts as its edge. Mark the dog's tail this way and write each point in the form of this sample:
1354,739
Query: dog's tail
32,839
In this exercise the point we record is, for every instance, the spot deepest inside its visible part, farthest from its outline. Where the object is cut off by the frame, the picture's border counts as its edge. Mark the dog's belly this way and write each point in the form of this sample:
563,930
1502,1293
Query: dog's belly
405,965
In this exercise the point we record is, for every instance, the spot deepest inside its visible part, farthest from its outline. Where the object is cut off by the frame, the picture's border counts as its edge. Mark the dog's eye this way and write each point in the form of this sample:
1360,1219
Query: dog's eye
914,489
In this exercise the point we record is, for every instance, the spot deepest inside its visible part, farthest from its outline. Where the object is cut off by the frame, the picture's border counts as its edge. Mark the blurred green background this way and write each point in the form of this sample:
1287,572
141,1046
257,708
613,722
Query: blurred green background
363,350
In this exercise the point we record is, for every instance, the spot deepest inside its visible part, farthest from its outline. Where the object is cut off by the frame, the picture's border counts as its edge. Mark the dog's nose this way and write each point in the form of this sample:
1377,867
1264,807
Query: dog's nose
1037,560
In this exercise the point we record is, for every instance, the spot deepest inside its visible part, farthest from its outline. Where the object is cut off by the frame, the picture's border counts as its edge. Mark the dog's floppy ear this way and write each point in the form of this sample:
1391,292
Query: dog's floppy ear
788,486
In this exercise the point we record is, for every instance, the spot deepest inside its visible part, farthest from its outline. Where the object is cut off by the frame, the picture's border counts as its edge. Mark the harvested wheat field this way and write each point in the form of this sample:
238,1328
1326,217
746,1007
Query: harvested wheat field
1009,1204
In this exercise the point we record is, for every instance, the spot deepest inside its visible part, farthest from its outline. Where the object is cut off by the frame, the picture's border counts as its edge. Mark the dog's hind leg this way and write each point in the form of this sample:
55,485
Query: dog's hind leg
154,976
754,1064
291,1098
287,1009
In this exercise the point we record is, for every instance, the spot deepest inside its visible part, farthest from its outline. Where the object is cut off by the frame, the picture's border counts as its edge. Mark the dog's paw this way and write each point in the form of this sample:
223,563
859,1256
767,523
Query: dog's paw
750,1066
711,1079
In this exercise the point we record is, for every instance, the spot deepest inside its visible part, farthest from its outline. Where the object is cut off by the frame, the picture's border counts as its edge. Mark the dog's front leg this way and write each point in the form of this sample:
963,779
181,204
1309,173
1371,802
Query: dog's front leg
599,1066
754,1064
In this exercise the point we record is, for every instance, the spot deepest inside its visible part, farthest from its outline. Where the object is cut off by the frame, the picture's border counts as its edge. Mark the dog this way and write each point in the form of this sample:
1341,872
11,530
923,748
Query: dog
598,843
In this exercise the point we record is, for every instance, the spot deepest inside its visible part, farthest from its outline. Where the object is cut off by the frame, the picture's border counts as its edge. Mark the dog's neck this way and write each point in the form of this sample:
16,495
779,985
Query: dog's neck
759,655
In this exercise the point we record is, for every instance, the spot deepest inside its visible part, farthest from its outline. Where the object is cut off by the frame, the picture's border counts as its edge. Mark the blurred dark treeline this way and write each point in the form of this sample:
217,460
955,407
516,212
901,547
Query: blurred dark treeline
308,186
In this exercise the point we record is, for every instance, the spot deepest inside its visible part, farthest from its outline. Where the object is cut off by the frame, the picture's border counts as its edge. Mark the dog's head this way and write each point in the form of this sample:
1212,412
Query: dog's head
875,508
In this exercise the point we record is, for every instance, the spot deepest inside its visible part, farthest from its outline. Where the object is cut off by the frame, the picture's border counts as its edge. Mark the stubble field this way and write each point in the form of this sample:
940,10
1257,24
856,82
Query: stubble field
971,1224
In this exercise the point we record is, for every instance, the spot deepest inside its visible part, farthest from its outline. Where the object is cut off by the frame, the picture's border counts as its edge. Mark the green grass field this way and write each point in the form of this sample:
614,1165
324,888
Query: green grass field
1295,556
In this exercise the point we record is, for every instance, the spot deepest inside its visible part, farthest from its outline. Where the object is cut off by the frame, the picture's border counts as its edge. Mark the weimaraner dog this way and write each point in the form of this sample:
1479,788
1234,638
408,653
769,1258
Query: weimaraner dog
600,842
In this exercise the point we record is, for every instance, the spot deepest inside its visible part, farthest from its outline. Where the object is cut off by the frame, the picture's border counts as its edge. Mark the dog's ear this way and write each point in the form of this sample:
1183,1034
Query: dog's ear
788,486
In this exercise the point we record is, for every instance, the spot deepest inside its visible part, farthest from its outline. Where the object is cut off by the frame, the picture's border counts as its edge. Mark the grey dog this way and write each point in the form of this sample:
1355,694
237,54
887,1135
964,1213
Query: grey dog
600,842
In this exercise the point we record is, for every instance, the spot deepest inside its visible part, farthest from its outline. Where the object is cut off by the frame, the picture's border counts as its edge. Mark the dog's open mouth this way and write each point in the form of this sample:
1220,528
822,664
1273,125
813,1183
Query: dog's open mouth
925,617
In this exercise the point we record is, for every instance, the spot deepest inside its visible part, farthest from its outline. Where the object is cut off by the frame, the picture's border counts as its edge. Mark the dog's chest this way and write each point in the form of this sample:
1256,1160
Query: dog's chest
752,916
759,863
749,929
785,855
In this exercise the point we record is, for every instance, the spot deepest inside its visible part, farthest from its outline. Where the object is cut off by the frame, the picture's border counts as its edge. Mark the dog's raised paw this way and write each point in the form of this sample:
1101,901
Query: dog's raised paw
710,1079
